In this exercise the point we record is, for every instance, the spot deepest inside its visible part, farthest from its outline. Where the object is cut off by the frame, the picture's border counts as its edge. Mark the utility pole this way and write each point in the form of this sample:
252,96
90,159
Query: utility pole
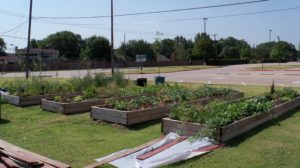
112,39
205,19
28,41
215,36
124,46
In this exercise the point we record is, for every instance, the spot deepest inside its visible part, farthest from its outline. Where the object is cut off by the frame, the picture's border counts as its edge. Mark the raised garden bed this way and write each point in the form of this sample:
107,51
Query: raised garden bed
76,107
23,101
232,130
143,115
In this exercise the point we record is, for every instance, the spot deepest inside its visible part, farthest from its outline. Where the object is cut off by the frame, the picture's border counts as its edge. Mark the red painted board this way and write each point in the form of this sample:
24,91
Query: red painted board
9,162
160,149
208,148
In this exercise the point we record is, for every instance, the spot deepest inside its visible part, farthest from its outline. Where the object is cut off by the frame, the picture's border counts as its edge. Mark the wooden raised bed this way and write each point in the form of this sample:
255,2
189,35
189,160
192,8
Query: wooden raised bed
232,130
23,101
77,107
139,116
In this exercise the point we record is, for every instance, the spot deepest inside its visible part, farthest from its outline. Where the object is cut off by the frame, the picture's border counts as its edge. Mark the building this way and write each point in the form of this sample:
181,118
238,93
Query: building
9,59
44,54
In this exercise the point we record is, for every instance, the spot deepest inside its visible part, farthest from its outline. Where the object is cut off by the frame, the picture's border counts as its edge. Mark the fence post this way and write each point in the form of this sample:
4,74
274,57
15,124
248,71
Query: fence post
0,106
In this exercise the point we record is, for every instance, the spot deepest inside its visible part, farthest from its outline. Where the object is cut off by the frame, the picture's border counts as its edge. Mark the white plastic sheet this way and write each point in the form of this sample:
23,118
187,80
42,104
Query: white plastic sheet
179,152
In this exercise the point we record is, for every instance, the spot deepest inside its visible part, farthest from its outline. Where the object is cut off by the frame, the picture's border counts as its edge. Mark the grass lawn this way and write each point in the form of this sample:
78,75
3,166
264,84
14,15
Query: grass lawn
276,67
164,69
77,140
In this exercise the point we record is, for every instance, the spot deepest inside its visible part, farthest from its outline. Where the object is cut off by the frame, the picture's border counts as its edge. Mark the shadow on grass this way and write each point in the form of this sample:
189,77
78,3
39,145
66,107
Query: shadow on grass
276,121
3,121
141,126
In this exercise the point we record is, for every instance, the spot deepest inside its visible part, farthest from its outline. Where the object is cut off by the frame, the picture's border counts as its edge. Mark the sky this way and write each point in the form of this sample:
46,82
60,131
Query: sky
252,28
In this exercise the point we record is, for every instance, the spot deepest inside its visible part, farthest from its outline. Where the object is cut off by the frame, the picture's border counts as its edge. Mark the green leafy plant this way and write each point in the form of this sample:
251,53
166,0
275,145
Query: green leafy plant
218,114
78,99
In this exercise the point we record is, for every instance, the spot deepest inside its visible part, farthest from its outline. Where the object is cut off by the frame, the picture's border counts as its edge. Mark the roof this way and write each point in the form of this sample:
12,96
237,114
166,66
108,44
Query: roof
38,51
9,59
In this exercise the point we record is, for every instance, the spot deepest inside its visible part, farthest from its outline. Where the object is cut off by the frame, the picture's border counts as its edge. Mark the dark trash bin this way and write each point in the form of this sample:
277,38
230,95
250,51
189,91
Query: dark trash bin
160,80
141,82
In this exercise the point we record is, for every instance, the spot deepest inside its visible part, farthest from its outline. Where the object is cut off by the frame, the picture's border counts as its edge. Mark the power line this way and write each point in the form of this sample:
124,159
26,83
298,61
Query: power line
16,37
235,15
156,12
18,26
173,20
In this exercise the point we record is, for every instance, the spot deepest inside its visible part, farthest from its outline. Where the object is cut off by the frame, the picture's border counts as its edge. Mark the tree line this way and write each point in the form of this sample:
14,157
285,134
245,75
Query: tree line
202,47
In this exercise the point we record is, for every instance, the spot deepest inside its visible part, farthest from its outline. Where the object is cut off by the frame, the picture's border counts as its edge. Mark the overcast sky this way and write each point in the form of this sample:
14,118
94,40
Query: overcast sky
252,28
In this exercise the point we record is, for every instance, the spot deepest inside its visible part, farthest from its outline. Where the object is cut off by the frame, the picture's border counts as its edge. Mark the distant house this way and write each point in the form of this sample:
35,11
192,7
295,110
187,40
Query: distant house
44,54
9,59
163,58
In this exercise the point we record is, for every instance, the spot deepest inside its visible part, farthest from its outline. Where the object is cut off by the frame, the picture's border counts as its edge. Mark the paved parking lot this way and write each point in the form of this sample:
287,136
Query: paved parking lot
235,75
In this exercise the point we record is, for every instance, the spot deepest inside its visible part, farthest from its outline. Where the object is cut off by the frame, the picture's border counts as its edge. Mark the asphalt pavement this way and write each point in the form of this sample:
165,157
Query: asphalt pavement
232,75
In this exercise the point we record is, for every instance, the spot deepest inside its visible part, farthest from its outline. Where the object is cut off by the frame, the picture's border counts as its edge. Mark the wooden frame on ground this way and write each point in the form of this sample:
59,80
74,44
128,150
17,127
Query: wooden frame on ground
232,130
139,116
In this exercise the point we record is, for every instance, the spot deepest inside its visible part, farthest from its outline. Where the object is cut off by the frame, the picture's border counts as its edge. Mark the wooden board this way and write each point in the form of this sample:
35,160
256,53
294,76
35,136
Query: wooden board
14,149
29,100
77,107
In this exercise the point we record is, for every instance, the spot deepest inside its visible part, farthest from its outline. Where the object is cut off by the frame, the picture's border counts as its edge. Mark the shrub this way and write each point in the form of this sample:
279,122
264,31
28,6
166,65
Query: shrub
119,79
101,80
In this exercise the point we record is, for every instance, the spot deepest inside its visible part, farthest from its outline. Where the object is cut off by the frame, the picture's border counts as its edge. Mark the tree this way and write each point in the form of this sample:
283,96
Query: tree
263,50
180,52
67,43
2,47
246,53
97,47
36,43
204,48
167,47
283,50
232,48
136,47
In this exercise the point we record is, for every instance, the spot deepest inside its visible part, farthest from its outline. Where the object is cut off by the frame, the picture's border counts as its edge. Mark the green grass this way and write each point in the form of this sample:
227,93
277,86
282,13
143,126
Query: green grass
77,140
164,69
276,67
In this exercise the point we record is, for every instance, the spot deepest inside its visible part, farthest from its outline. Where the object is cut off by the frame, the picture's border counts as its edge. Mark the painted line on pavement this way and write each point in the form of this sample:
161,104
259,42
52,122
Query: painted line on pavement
219,78
243,83
267,74
280,84
292,74
223,73
244,74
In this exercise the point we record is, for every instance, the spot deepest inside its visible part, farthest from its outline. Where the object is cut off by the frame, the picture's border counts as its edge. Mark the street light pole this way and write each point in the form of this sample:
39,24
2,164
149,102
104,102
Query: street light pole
270,35
205,19
112,39
28,41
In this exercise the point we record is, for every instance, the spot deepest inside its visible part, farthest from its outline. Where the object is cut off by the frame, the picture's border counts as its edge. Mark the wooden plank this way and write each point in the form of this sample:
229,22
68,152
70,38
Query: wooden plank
9,162
21,157
109,118
2,165
179,127
110,112
148,117
126,153
6,145
208,148
161,149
